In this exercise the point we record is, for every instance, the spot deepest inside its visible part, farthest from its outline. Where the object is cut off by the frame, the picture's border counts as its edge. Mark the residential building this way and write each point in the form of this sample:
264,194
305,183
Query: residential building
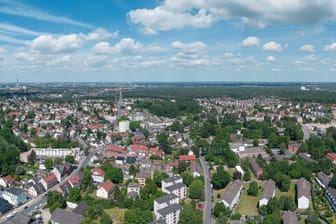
97,175
62,171
167,208
62,216
105,190
4,206
21,218
6,181
268,193
303,193
332,157
307,157
195,169
256,169
174,185
49,181
142,176
187,157
14,196
133,190
231,195
330,194
57,152
323,179
75,181
289,217
35,189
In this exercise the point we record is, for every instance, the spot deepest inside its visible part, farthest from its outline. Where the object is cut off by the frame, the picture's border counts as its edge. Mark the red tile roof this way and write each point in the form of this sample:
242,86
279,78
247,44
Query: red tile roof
98,172
8,179
107,185
187,157
331,155
139,147
114,148
74,180
50,178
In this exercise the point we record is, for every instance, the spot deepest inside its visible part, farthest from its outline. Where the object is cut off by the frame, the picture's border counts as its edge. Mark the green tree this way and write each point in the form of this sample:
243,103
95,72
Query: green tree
253,189
190,215
75,195
221,178
137,216
55,200
195,189
158,177
48,163
105,219
69,159
187,178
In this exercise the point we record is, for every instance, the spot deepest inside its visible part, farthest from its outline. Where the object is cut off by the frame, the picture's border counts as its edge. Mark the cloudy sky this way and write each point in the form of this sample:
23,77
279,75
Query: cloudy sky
167,40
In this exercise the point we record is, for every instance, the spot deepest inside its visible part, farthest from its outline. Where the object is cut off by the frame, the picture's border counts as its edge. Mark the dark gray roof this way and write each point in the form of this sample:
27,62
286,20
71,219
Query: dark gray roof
4,205
39,188
172,179
289,217
175,186
254,166
15,191
62,216
306,157
332,193
232,191
268,190
303,188
81,208
21,218
169,209
324,178
166,198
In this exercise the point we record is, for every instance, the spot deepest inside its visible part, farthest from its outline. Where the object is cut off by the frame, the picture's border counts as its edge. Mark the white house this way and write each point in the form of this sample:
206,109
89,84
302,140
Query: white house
6,181
268,193
303,193
97,175
167,208
14,196
105,190
133,188
35,189
174,185
240,170
231,196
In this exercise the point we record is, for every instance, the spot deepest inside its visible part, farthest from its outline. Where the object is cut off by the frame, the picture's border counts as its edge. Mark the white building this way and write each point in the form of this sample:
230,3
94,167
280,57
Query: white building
231,196
97,175
268,193
167,208
57,153
105,190
174,185
240,170
14,196
124,126
303,193
133,187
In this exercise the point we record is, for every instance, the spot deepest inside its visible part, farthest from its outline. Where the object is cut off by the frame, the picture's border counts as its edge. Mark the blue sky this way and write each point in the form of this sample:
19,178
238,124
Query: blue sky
168,40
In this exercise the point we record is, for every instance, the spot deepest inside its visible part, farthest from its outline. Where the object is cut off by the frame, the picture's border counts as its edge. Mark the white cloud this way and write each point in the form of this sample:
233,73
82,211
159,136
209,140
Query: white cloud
172,14
271,59
330,47
272,46
308,48
63,43
18,29
190,54
23,56
250,42
128,46
101,34
11,40
102,48
19,9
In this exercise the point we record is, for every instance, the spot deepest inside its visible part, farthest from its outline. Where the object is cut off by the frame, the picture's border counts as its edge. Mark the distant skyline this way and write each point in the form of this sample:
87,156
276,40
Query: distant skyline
168,40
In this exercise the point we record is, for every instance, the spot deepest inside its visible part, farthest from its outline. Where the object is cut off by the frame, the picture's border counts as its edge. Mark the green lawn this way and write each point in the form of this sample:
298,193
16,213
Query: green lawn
290,193
117,214
248,205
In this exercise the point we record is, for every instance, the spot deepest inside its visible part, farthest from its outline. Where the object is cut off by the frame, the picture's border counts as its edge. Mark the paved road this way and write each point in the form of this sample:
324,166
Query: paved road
208,193
41,199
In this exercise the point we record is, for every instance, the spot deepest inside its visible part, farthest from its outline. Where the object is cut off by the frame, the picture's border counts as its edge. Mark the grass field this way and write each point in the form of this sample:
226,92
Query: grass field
248,205
290,193
117,214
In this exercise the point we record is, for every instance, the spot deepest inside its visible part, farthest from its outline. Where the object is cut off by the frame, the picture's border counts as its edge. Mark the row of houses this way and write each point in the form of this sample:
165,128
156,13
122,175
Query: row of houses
231,196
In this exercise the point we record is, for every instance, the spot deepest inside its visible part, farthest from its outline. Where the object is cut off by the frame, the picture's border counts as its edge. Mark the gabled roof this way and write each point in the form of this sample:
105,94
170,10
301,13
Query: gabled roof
114,148
166,198
269,188
233,189
21,218
324,178
187,157
98,172
289,217
74,180
107,185
50,178
303,188
8,179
